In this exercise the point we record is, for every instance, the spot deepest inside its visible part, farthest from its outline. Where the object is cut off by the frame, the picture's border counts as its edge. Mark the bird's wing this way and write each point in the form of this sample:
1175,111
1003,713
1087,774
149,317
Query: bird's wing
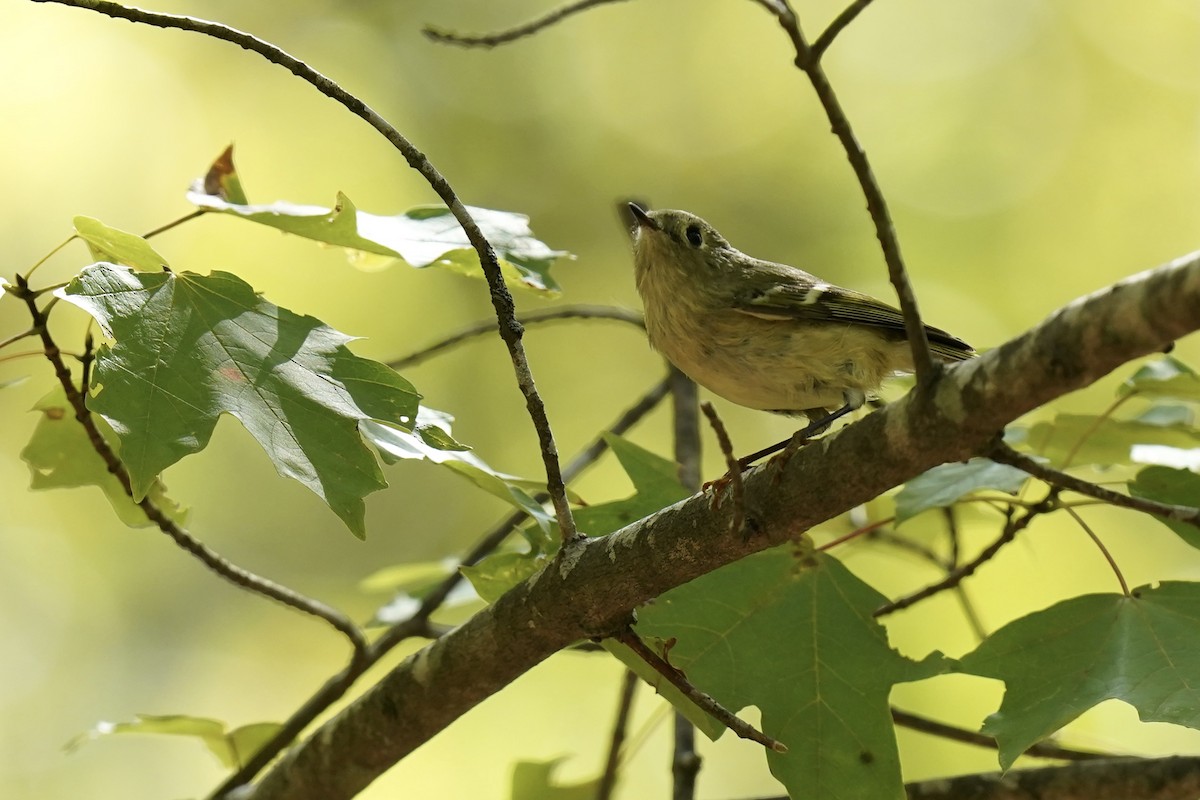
796,295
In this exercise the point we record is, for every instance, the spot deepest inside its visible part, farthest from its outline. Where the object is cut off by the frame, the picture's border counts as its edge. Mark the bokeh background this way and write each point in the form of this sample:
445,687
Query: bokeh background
1033,151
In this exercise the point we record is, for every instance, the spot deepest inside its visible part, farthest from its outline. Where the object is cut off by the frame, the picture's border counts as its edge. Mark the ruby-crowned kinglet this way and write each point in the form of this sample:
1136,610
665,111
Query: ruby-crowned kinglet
766,335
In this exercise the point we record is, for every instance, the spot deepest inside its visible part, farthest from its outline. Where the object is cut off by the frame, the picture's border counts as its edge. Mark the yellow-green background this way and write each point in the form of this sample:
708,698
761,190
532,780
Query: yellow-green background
1033,151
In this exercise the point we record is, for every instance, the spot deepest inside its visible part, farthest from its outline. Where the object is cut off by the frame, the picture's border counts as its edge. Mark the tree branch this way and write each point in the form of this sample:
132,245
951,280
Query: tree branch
510,330
512,34
590,591
1001,453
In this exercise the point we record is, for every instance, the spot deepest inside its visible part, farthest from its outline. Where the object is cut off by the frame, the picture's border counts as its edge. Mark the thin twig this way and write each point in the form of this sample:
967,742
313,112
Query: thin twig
534,318
737,490
677,679
1042,749
885,229
956,576
685,396
839,24
513,34
185,218
85,362
16,337
1001,453
502,301
215,562
1096,423
1112,562
608,779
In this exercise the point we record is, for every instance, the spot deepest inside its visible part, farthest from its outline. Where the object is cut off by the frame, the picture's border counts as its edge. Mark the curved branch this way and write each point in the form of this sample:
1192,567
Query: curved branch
839,24
510,330
534,318
1001,453
590,591
808,60
512,34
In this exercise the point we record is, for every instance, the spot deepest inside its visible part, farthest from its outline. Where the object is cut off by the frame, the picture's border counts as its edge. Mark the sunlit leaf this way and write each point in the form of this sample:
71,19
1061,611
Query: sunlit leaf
1058,663
421,237
945,485
1174,487
1165,456
1164,377
60,456
110,244
431,441
190,347
794,635
1107,443
232,748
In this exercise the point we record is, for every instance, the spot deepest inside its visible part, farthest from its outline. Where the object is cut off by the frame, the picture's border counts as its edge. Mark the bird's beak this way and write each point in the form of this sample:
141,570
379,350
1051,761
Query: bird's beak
642,218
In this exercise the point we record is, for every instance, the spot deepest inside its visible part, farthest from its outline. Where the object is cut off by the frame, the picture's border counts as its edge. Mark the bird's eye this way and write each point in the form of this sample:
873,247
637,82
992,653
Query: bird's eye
695,239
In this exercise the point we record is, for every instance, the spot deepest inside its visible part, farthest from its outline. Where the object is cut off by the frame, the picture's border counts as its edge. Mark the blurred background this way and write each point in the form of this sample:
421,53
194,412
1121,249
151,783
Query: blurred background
1032,151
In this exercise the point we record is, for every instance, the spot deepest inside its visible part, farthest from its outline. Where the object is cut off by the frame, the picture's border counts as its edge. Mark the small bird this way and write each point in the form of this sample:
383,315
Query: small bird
766,335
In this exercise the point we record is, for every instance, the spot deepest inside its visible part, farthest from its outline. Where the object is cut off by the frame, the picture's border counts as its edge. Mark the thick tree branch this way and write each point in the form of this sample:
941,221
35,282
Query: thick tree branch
589,590
1176,778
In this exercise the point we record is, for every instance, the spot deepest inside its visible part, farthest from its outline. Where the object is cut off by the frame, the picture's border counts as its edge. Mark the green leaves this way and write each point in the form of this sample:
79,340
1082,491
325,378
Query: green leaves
1172,486
821,683
420,237
1062,661
189,348
945,485
231,747
60,456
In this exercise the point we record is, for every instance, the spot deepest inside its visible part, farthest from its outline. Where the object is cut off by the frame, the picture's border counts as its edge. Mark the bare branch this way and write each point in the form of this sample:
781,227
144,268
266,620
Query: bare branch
608,779
534,318
1041,750
957,575
510,330
839,24
677,679
513,34
807,59
1001,453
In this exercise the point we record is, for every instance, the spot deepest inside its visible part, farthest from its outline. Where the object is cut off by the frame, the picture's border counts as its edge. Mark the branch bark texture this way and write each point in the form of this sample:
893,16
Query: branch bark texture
589,589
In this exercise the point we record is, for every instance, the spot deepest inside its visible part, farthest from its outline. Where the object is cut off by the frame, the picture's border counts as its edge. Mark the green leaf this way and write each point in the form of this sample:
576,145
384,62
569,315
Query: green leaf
1166,377
795,636
1174,486
422,236
944,485
656,486
232,748
190,347
496,574
110,244
431,441
534,780
411,583
1108,444
60,456
1059,662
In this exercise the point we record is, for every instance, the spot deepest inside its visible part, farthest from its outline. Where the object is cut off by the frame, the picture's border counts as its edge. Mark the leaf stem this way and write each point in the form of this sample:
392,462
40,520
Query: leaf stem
1104,550
174,223
29,272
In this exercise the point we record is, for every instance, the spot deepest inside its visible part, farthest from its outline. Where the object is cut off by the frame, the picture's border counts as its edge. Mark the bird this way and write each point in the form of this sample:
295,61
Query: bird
766,335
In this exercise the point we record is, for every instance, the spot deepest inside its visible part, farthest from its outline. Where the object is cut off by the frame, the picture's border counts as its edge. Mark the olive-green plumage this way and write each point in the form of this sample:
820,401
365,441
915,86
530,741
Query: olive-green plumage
761,334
